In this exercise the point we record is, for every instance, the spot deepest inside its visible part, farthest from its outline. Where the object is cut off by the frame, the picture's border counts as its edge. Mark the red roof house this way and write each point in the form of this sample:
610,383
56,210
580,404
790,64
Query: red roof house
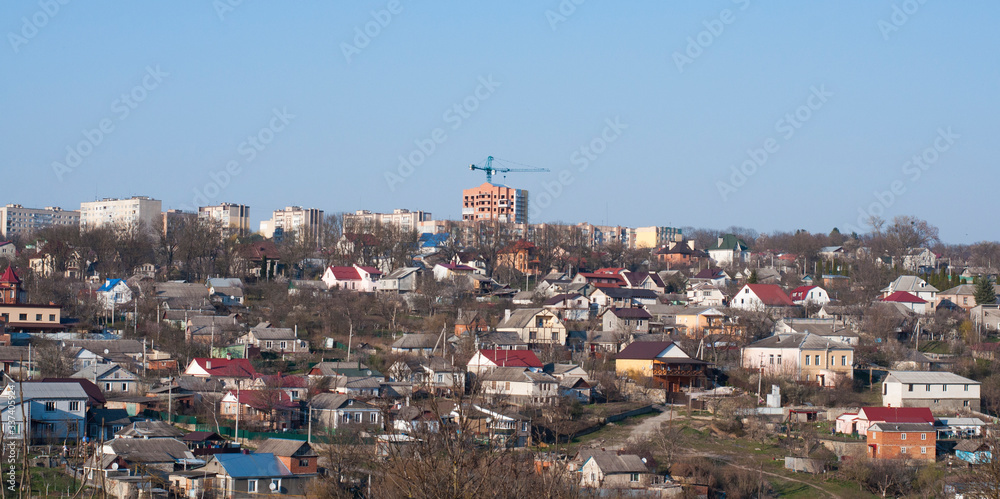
908,300
868,416
760,296
354,278
203,367
487,360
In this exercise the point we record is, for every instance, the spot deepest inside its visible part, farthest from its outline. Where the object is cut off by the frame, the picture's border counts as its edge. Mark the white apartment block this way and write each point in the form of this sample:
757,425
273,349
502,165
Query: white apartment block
122,212
306,222
233,218
402,218
16,219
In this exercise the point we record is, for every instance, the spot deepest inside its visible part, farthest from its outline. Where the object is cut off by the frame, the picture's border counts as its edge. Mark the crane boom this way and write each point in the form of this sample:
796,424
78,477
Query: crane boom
490,169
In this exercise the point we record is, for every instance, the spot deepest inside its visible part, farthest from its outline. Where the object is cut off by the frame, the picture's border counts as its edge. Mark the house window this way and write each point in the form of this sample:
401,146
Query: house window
944,388
966,403
902,450
507,386
50,406
843,360
357,417
252,486
124,387
923,436
593,477
276,484
807,360
268,344
902,436
284,344
38,317
779,359
923,450
771,359
440,378
74,405
107,387
72,427
966,387
22,317
347,417
817,360
52,317
303,463
927,388
634,477
15,429
373,417
910,387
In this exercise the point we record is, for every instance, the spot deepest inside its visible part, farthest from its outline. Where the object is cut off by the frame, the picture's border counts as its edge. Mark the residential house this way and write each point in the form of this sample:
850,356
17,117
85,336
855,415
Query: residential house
247,475
296,387
409,420
271,409
401,280
418,344
679,254
962,296
697,322
227,291
626,320
149,429
809,295
644,280
467,321
501,340
520,386
705,294
7,250
520,256
230,372
801,357
569,307
909,301
917,259
974,451
298,456
712,275
760,297
353,278
111,378
959,427
610,470
940,391
161,455
338,411
574,382
87,353
307,287
103,424
504,428
664,362
832,252
913,285
728,250
274,339
56,411
858,423
213,329
114,293
187,296
536,326
487,360
902,441
434,372
987,316
453,271
828,328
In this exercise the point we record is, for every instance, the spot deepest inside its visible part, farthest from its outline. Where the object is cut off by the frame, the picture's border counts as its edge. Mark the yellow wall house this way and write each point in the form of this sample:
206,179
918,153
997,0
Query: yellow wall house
664,362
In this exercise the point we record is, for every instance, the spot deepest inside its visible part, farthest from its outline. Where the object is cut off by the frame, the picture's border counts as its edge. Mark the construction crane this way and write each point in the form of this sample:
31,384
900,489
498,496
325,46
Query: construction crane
490,169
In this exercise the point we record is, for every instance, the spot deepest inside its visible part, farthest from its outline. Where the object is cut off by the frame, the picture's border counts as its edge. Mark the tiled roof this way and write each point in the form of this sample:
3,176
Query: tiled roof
898,414
345,273
230,368
513,358
771,294
643,350
904,297
9,276
630,313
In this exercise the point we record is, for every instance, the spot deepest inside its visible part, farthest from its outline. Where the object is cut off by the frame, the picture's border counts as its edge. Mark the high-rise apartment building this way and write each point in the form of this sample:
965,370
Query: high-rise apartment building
121,212
307,223
402,218
17,220
495,202
233,218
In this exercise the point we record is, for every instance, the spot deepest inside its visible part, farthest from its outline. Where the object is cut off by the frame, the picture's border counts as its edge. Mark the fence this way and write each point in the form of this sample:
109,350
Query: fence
614,418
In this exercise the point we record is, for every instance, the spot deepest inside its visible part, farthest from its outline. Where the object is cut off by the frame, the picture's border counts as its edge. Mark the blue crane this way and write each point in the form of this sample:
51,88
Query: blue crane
490,169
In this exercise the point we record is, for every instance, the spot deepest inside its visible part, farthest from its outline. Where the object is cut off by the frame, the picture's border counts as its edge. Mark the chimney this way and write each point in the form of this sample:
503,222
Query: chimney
506,314
208,364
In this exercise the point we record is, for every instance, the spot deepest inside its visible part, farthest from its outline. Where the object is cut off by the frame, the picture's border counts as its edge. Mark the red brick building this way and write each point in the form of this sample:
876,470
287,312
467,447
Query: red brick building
902,441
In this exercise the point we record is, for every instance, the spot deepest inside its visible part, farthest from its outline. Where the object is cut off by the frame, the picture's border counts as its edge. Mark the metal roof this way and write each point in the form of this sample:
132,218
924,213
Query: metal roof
929,377
263,465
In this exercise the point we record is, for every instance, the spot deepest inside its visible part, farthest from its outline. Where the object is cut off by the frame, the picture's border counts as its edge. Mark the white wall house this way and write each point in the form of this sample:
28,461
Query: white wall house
114,293
914,285
354,278
519,386
813,295
704,294
940,391
760,297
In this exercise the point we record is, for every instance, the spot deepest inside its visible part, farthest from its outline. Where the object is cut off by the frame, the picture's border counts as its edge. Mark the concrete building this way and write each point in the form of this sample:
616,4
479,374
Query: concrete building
940,391
233,218
16,219
402,218
173,219
495,202
121,212
306,222
654,237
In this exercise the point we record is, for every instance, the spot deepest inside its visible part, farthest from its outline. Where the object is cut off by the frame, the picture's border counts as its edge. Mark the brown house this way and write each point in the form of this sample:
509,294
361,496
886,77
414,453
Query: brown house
902,441
296,455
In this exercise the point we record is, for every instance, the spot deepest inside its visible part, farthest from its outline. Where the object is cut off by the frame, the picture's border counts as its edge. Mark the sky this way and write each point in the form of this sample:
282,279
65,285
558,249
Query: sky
776,116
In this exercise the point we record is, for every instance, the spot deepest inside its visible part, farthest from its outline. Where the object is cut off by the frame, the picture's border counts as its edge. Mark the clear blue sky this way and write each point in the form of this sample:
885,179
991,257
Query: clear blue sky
888,88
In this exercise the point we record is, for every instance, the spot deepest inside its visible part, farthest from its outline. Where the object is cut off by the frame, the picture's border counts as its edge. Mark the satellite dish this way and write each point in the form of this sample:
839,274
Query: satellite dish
114,466
106,351
273,486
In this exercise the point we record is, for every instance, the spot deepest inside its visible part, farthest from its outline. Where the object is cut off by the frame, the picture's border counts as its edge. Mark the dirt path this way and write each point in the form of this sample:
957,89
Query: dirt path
786,478
646,428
